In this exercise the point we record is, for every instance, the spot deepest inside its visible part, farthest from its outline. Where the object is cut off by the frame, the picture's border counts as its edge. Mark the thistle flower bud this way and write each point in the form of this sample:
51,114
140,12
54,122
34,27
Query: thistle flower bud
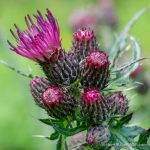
94,71
94,108
84,42
118,103
57,101
38,86
65,70
98,135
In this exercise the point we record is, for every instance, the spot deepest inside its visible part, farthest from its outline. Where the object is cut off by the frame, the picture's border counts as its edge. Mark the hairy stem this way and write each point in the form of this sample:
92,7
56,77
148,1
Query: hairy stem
28,75
61,143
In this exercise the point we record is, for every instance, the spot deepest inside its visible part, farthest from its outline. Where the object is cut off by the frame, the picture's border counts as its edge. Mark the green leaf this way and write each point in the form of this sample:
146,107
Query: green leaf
132,131
120,43
125,66
124,138
54,136
118,141
51,122
68,131
124,120
144,137
58,126
123,78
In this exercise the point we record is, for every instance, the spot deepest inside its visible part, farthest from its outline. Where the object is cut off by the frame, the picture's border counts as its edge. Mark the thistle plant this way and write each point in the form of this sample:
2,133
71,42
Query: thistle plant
83,90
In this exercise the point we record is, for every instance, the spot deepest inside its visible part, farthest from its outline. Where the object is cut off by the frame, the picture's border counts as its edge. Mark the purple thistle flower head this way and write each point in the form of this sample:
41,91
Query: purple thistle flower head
84,34
97,59
41,41
91,95
118,102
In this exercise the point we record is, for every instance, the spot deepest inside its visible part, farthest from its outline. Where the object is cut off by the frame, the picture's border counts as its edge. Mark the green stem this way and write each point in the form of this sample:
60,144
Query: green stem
61,143
66,146
29,75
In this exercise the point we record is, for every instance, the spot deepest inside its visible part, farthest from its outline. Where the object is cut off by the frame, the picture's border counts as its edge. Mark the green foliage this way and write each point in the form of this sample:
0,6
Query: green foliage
124,120
54,136
52,122
59,127
144,137
121,41
123,135
70,132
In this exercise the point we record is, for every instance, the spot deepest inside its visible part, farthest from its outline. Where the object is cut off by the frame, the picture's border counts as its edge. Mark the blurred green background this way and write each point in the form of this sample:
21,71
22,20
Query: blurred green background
18,113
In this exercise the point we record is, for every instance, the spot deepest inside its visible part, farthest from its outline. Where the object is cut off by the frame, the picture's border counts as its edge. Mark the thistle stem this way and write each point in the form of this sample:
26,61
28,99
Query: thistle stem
61,144
28,75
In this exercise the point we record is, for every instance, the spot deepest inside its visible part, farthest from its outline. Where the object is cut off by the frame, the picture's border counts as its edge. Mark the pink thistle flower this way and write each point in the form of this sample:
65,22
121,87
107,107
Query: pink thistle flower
41,41
97,59
52,96
94,70
84,43
91,95
94,107
84,34
56,100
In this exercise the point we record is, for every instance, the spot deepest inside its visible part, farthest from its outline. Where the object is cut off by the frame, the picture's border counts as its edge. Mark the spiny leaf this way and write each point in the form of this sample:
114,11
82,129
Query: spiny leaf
124,120
69,132
124,77
51,122
54,136
124,138
118,140
58,126
144,137
125,66
120,43
132,131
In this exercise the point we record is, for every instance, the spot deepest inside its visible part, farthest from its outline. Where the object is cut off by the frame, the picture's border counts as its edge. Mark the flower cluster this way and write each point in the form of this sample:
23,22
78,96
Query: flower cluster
86,68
